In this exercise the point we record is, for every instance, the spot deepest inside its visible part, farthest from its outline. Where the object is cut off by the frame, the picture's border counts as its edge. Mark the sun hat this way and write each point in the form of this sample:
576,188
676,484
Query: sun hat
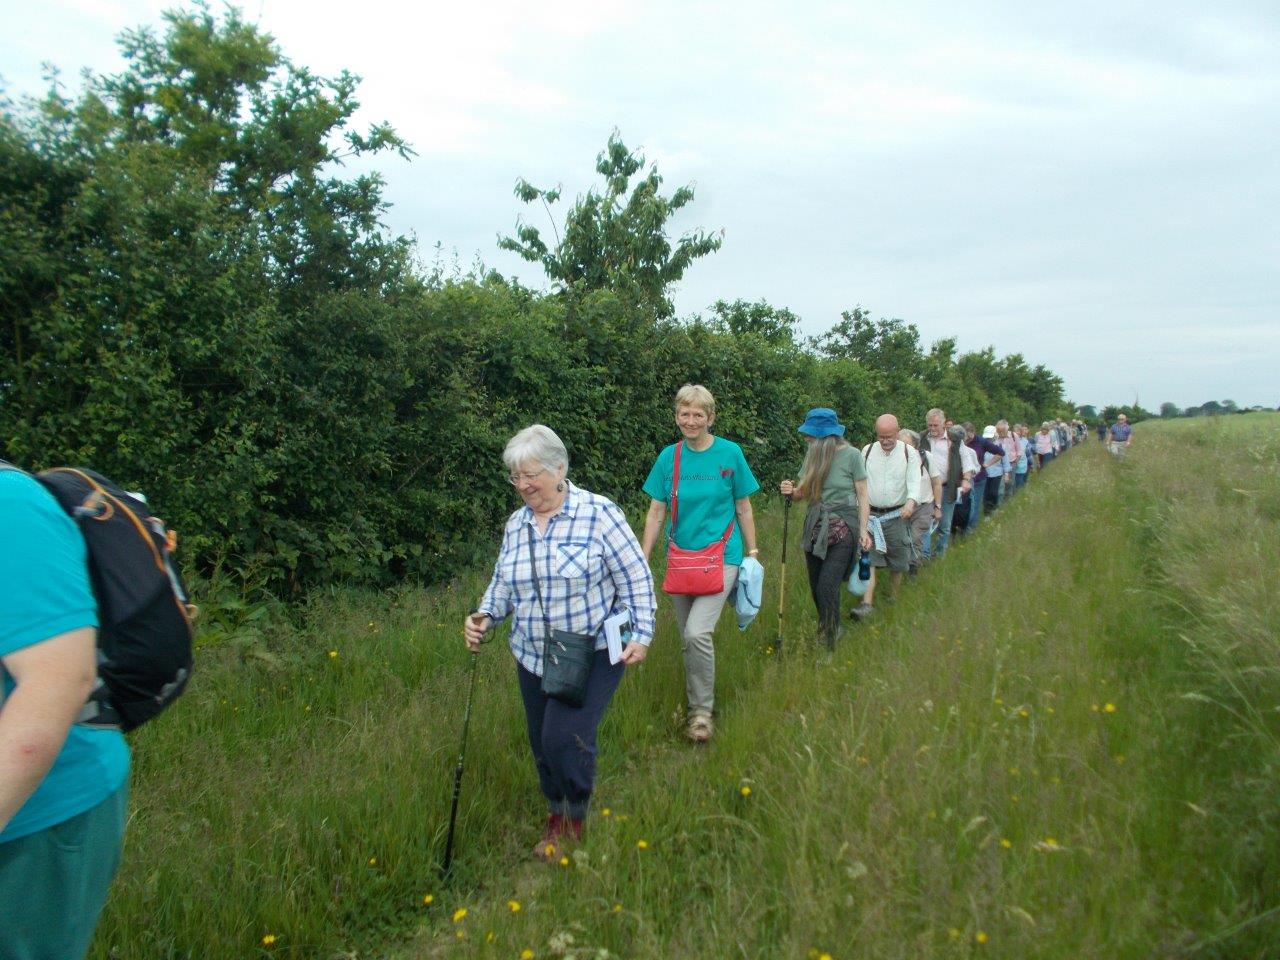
821,422
988,431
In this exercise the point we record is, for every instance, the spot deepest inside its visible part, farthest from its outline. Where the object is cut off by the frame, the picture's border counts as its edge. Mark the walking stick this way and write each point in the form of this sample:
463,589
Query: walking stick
457,773
782,579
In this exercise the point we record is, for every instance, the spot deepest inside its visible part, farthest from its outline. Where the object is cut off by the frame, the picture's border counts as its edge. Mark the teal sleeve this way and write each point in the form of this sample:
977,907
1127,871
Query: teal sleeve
744,481
44,577
655,485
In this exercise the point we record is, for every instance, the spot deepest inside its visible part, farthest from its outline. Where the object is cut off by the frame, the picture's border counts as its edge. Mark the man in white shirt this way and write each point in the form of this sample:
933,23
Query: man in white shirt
929,511
893,486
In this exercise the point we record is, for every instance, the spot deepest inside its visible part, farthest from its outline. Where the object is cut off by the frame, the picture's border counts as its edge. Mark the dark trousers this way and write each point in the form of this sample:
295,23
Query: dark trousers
992,496
563,738
826,578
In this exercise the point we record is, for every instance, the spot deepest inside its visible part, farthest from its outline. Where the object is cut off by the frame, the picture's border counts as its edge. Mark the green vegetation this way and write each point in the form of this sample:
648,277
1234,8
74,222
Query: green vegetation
1061,742
200,303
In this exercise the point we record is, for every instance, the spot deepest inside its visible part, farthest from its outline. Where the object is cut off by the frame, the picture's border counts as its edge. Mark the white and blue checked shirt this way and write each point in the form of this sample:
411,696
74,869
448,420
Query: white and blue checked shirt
589,568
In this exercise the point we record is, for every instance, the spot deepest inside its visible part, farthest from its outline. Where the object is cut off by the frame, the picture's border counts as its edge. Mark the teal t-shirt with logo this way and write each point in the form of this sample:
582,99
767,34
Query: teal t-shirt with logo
44,592
711,481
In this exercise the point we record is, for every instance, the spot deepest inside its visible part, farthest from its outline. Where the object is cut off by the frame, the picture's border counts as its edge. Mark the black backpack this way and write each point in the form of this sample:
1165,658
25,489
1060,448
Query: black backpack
144,618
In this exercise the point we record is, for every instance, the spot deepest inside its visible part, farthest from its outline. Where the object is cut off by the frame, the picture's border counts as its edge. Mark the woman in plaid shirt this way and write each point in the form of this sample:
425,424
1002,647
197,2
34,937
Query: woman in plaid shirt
589,567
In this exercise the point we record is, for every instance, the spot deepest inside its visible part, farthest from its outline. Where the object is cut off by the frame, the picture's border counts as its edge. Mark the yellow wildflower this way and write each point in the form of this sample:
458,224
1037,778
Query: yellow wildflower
617,908
999,701
460,934
1110,708
606,812
513,906
745,790
333,654
642,844
1024,712
526,954
824,956
490,937
373,861
428,899
1050,842
1006,843
564,861
269,939
981,937
459,915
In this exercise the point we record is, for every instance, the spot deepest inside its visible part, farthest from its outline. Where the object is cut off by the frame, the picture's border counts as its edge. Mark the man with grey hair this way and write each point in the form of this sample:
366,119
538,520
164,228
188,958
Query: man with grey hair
930,500
947,455
893,486
1121,436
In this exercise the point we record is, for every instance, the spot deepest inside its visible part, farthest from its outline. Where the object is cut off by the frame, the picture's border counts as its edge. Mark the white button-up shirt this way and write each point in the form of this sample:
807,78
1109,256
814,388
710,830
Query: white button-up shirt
892,478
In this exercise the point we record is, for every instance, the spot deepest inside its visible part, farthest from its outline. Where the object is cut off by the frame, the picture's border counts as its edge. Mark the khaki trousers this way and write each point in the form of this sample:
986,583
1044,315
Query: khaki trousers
697,618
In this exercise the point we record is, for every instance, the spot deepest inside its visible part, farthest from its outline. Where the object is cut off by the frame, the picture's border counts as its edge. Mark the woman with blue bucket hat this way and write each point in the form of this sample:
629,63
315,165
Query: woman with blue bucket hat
834,481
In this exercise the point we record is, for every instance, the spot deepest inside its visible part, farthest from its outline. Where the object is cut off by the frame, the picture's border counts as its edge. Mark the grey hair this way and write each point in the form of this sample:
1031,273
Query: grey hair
1003,423
536,444
956,432
906,433
935,412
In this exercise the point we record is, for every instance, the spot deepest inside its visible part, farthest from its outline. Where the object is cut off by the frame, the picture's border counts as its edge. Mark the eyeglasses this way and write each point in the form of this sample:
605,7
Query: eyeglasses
516,479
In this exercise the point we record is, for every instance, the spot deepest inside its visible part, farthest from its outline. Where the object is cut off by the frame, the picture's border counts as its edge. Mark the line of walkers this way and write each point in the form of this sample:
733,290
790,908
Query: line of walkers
576,583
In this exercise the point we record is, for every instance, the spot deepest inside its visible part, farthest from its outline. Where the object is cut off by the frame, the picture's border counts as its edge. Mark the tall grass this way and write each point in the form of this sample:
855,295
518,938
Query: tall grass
1060,742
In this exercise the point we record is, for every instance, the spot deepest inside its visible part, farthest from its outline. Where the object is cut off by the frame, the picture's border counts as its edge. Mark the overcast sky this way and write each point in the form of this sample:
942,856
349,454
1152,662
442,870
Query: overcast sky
1093,185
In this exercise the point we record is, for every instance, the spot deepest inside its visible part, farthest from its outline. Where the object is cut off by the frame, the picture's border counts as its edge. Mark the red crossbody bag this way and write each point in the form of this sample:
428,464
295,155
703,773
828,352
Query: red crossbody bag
692,573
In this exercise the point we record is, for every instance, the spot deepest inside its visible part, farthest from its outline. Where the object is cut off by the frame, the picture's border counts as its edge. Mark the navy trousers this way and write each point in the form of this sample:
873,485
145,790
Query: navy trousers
563,738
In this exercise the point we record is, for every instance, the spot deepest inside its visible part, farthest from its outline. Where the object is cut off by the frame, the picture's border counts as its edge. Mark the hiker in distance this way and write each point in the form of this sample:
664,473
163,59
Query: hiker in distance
1121,436
708,497
568,562
63,786
947,454
893,486
833,479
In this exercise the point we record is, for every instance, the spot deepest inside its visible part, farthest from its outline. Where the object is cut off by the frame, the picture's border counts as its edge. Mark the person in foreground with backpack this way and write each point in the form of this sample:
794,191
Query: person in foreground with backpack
834,481
63,787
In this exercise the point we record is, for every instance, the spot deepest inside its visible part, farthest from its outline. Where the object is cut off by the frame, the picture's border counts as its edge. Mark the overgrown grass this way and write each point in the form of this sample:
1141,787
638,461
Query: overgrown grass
1060,742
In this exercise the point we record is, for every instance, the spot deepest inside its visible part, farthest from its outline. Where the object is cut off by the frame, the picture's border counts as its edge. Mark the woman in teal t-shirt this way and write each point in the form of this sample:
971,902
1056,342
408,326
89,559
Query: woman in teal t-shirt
715,488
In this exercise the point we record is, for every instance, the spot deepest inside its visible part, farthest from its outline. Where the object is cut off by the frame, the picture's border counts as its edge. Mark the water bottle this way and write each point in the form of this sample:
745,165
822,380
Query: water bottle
864,565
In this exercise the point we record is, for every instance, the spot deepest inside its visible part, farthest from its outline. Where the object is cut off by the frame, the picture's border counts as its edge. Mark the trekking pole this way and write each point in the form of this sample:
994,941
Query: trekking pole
457,773
782,578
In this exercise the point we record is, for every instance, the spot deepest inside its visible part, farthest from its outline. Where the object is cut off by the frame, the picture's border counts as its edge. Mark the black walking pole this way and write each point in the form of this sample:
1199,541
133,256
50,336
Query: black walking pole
782,578
457,773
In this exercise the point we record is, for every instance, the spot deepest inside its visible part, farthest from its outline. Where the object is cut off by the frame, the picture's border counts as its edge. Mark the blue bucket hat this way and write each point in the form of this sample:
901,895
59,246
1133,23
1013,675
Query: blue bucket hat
821,422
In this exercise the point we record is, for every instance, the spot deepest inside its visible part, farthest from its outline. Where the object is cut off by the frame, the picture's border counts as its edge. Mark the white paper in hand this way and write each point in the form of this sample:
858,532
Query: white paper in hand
617,632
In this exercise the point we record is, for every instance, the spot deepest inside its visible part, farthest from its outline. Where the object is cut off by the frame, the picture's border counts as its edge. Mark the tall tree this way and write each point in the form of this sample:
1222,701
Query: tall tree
614,238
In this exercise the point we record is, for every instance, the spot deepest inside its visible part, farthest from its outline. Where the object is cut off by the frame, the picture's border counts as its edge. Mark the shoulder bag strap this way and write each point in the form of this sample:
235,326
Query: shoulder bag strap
537,584
675,487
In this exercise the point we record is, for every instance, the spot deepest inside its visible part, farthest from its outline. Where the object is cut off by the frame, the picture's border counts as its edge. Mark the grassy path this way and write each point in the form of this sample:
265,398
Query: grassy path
1061,742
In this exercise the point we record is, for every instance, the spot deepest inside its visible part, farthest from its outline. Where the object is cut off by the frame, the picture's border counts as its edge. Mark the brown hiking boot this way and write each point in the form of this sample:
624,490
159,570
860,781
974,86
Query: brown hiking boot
548,847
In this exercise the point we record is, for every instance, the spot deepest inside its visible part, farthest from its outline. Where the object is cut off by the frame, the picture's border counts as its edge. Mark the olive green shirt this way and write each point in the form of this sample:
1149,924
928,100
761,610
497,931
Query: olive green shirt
847,469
